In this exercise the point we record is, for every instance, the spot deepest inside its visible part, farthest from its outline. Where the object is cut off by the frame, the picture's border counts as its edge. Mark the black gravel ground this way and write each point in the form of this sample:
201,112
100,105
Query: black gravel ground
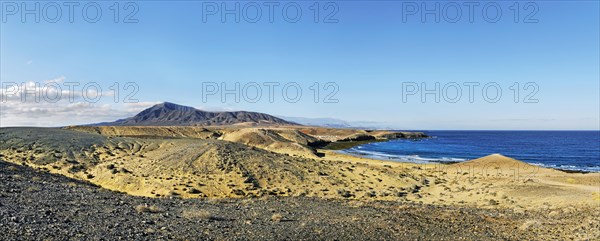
35,205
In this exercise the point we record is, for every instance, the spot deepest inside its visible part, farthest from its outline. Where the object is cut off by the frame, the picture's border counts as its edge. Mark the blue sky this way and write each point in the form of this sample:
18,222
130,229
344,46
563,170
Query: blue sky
369,53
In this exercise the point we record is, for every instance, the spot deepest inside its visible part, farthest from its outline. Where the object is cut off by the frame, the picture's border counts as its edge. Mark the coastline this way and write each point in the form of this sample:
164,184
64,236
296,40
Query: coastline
166,167
173,172
392,160
540,148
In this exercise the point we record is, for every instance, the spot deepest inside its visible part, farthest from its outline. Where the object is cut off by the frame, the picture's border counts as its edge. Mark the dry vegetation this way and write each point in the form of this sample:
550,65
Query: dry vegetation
224,162
145,208
277,217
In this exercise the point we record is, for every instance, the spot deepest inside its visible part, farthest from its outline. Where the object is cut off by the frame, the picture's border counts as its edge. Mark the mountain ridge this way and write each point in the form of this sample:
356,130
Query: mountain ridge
171,114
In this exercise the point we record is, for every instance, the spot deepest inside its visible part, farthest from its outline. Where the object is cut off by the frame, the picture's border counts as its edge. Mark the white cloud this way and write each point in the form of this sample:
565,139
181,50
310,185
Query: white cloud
29,62
58,80
43,104
17,113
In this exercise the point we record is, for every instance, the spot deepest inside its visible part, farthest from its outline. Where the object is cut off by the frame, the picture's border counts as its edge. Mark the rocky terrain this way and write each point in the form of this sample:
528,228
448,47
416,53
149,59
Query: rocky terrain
36,205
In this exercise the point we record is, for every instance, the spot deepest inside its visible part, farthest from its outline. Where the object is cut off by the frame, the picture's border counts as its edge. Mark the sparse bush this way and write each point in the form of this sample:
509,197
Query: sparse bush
371,194
238,192
345,193
33,189
200,214
277,217
76,169
144,208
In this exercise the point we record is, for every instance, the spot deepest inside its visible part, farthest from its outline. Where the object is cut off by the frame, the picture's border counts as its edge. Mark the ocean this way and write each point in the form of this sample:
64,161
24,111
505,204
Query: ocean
567,150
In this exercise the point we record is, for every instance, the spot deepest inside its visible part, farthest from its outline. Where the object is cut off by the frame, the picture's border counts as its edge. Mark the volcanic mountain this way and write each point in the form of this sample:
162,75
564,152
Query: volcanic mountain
170,114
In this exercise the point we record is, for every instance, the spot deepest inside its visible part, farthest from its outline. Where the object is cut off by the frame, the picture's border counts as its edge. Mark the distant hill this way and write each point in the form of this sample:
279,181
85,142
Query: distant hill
170,114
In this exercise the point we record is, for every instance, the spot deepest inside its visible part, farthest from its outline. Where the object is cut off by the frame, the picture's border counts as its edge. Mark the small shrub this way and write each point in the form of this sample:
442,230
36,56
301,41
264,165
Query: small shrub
194,191
277,217
371,194
345,193
76,169
144,208
33,189
200,214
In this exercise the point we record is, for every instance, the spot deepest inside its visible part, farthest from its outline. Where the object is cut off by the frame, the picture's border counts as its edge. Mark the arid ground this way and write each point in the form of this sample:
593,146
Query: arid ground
285,182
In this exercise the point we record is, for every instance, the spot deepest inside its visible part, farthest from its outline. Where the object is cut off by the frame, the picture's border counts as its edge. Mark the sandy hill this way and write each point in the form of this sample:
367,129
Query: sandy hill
191,167
149,131
501,180
497,165
494,161
285,141
170,114
292,140
281,140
